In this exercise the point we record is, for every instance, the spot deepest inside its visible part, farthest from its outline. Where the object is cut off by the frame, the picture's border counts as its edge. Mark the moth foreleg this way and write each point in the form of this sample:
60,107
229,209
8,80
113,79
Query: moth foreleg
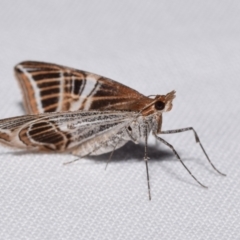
197,140
146,158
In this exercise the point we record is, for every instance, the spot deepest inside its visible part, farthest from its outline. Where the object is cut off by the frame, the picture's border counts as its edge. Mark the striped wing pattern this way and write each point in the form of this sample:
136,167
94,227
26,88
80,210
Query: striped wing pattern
63,132
49,87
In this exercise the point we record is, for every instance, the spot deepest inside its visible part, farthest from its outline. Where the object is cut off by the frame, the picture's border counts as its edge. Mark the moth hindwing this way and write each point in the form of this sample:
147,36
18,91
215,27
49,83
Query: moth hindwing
83,113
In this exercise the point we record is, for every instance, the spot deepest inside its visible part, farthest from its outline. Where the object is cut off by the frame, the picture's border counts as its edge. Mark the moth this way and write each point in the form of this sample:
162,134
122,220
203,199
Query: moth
79,112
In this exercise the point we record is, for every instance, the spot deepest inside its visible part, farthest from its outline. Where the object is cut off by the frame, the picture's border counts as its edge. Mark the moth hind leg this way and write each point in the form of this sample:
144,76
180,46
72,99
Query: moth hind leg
177,155
197,141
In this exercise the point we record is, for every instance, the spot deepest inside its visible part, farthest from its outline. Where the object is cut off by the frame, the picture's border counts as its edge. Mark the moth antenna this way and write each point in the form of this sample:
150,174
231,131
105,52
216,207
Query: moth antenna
198,141
152,95
175,152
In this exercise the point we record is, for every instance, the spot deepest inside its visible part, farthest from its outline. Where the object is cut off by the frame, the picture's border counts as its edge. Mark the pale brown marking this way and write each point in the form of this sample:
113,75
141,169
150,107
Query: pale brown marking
5,136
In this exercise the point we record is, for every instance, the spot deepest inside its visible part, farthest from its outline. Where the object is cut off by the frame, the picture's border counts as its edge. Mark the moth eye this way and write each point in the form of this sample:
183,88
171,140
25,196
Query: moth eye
159,105
129,128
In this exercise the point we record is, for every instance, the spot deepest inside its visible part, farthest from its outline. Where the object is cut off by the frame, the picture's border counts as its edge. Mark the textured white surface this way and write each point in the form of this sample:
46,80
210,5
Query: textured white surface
192,47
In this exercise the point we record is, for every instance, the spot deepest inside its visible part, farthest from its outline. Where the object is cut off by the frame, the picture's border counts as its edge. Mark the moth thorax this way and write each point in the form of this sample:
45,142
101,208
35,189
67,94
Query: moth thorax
133,130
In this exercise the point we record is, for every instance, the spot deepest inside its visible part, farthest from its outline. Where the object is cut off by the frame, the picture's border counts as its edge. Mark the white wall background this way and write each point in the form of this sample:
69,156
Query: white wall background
153,47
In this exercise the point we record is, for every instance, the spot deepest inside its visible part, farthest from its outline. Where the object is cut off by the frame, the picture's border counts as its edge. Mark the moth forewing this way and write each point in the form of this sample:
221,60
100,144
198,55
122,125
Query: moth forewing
62,132
48,87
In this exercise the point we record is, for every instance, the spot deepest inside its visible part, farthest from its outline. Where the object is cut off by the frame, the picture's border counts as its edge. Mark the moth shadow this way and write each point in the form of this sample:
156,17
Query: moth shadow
135,152
203,163
129,151
21,106
18,152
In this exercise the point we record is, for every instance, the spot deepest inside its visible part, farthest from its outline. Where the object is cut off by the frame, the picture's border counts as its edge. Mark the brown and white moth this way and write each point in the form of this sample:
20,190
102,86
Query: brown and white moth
84,114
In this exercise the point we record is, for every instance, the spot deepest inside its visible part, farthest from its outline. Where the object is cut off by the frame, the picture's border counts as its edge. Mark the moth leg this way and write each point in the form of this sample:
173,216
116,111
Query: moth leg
197,141
176,154
75,160
110,156
146,158
79,158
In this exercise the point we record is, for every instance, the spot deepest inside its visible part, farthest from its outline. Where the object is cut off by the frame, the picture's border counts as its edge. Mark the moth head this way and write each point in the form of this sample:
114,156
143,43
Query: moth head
158,104
163,103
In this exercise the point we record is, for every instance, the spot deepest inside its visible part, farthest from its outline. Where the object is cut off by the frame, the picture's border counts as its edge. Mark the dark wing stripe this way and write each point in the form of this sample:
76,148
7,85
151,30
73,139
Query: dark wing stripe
49,92
48,102
40,71
55,139
82,88
50,108
46,76
46,84
39,124
47,137
39,130
32,66
77,86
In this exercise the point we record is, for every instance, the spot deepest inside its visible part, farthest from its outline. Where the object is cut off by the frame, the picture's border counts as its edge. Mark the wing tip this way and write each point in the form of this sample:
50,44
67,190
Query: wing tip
28,63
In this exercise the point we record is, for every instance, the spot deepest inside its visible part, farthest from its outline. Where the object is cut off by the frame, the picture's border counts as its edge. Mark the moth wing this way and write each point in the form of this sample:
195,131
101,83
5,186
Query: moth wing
49,87
61,132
